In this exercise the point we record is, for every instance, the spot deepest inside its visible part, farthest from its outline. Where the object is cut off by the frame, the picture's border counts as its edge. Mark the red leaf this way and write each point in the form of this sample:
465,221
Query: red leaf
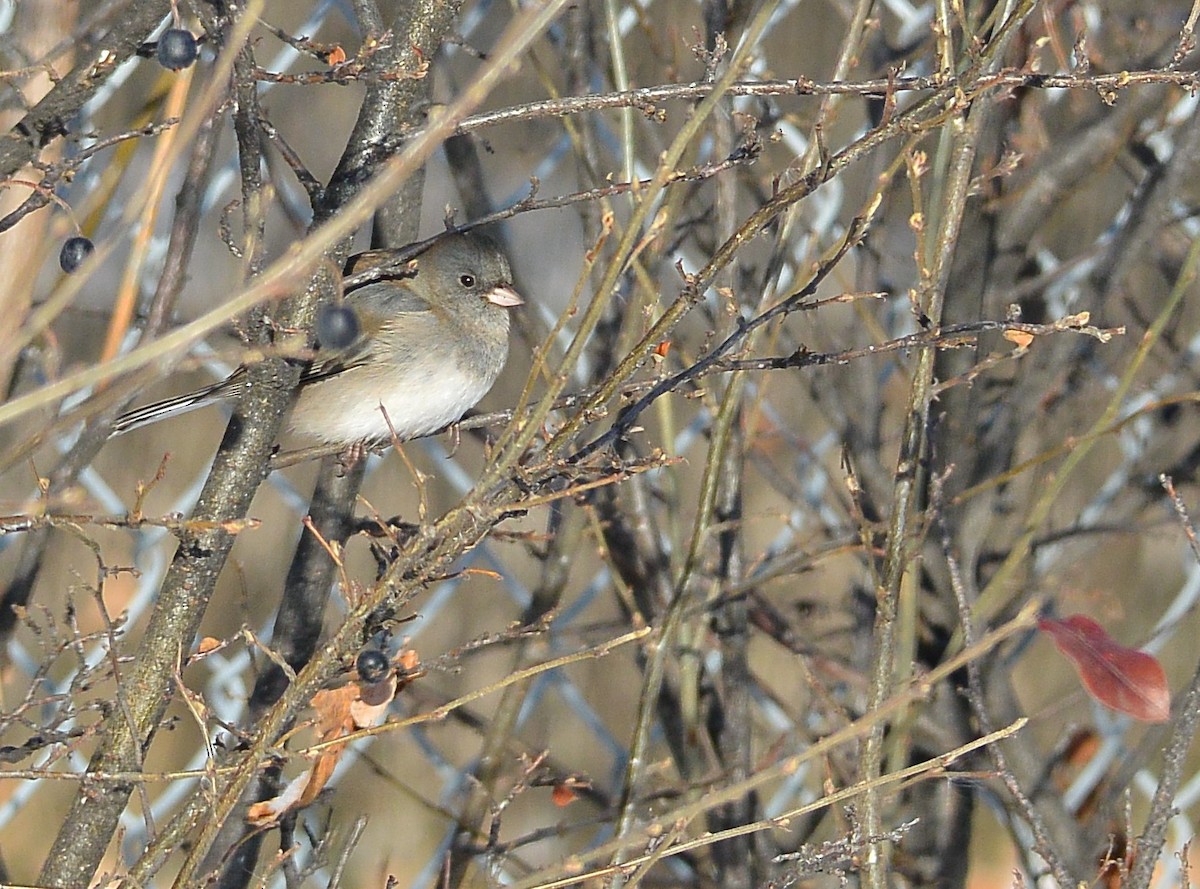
563,794
1126,679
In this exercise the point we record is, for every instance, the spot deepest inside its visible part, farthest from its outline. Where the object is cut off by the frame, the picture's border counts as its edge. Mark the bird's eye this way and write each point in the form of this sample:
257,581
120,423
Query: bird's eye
467,281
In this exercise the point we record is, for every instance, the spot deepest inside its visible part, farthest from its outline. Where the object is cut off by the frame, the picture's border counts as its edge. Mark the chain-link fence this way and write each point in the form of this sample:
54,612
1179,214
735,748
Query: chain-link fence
856,337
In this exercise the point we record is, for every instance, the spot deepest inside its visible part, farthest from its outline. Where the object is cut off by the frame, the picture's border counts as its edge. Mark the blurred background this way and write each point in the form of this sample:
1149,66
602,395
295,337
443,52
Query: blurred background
913,166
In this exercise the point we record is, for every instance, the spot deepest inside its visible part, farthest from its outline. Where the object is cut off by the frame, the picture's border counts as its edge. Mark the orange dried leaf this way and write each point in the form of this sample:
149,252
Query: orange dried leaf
563,794
269,811
1080,319
1020,338
409,660
1082,746
207,644
1126,679
340,711
337,55
483,572
333,711
318,777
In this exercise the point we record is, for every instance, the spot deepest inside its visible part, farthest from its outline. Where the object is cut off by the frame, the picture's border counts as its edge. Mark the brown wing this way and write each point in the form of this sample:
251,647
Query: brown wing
375,305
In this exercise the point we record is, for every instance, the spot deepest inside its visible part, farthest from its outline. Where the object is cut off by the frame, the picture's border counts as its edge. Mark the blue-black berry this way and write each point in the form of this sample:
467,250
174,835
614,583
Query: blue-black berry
337,326
372,665
74,252
176,49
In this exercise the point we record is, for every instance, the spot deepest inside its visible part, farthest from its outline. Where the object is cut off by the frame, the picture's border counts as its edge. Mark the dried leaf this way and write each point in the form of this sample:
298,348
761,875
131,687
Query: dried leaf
340,711
337,55
333,710
1125,679
563,794
1019,338
207,644
1080,319
268,812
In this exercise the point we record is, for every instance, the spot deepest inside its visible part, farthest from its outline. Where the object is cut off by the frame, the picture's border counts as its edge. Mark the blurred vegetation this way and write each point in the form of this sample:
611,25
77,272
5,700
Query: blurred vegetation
857,336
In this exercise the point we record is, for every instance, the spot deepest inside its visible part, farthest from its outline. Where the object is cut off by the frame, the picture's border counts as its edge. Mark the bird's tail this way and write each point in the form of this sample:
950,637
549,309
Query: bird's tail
180,404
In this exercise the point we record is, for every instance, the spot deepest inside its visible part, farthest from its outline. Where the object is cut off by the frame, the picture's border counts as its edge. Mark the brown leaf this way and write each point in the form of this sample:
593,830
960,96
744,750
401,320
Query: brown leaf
1020,338
332,706
207,644
340,711
268,812
337,55
563,794
1125,679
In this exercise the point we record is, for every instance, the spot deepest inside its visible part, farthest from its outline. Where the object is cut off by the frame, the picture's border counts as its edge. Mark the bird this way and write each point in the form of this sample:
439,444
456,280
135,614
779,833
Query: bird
422,348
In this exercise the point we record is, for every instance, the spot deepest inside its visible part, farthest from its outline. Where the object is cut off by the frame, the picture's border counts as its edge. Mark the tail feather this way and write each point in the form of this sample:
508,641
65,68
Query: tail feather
172,407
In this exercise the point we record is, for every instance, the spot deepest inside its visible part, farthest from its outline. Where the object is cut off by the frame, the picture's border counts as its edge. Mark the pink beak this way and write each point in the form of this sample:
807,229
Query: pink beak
504,296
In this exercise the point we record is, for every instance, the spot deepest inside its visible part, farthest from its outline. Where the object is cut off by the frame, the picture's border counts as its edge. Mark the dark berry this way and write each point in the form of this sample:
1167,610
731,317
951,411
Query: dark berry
176,49
372,665
337,326
74,252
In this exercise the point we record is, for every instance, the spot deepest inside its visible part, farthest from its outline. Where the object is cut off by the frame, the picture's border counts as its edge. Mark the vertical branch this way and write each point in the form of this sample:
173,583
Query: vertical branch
909,480
912,467
728,720
239,467
389,106
736,858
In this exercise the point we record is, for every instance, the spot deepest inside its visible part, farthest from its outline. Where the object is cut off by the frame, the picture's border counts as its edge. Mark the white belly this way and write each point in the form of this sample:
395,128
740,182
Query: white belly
341,411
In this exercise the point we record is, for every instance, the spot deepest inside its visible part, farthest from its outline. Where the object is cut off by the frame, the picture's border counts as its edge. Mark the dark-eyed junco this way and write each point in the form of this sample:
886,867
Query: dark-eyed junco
430,343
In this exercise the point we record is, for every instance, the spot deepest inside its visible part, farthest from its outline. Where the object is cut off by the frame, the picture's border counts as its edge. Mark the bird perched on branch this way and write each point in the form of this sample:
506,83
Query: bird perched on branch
422,346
